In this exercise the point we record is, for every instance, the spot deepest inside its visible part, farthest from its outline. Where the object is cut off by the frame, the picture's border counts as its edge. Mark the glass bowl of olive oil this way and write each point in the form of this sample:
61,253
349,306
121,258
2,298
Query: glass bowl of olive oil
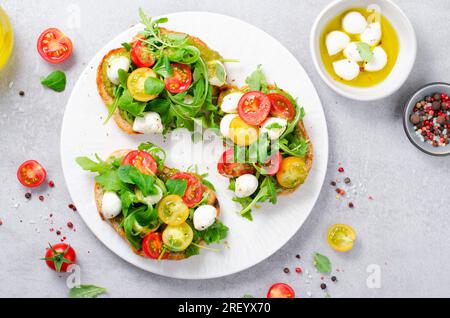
6,38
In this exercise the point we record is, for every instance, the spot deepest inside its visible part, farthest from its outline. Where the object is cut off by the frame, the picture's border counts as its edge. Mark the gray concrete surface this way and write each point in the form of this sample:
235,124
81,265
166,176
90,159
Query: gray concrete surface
403,230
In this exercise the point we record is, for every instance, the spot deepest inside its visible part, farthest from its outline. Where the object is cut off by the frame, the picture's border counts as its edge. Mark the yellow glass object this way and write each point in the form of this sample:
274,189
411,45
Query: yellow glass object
6,38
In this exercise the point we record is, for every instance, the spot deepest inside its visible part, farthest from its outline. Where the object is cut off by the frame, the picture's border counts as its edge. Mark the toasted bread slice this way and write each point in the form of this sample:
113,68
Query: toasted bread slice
115,222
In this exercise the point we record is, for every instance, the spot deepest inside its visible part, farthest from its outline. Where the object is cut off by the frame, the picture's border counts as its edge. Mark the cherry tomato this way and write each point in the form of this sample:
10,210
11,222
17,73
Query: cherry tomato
152,246
136,84
194,190
59,257
230,169
254,107
177,238
292,173
172,210
242,133
281,290
341,237
54,46
281,106
180,80
142,160
272,165
31,174
141,55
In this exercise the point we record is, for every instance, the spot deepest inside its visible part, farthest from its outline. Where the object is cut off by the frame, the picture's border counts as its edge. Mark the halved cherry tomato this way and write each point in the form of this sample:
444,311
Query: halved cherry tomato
152,245
254,107
292,173
142,160
281,290
230,169
141,55
272,165
136,84
194,190
31,174
180,80
60,256
281,106
177,238
54,46
172,210
242,133
341,237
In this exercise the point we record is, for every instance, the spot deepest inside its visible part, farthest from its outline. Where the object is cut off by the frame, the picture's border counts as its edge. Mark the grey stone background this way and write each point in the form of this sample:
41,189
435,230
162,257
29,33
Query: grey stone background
404,229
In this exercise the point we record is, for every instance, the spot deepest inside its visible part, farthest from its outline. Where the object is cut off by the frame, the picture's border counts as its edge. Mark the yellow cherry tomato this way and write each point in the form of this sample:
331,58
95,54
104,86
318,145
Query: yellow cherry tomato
172,210
242,133
177,238
136,84
292,172
341,237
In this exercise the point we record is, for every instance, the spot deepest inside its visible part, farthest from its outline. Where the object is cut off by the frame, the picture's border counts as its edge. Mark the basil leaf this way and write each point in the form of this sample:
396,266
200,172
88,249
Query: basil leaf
365,51
162,67
127,46
257,80
86,291
215,233
177,186
123,77
153,86
55,81
131,175
92,166
322,263
110,181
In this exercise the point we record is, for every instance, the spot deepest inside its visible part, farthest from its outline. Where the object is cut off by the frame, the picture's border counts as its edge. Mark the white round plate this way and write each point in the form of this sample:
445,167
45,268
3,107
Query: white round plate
84,134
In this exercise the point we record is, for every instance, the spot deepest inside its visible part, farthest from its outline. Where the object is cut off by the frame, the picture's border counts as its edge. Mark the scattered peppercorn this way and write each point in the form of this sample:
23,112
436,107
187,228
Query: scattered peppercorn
333,278
1,222
286,270
341,170
41,198
70,225
323,286
298,256
22,93
333,183
72,207
51,184
340,191
28,195
347,180
351,205
58,232
298,269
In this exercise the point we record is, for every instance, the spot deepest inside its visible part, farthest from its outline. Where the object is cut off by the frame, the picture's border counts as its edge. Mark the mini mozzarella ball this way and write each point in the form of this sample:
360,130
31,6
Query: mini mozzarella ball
372,35
245,185
215,79
336,41
352,53
230,102
225,124
154,198
204,217
188,99
111,205
274,127
346,69
113,67
150,123
354,23
378,61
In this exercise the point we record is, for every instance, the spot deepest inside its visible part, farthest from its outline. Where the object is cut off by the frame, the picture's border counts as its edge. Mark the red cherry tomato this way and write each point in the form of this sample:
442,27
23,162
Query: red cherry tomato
194,190
281,290
227,166
141,55
142,160
60,256
54,46
180,80
272,165
31,174
281,106
152,246
254,107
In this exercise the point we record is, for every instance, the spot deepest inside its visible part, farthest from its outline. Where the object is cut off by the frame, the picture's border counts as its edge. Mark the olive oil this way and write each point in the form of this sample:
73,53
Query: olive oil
6,38
389,42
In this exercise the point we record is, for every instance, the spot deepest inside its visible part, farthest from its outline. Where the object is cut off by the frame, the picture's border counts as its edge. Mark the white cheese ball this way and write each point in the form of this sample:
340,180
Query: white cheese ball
113,67
154,198
230,102
372,34
150,123
204,217
352,53
336,41
225,124
346,69
219,74
111,205
274,127
378,61
354,23
245,185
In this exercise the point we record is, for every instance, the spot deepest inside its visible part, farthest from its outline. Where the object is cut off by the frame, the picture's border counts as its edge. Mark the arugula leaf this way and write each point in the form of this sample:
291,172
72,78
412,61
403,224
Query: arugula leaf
131,175
123,77
126,103
267,191
127,46
299,114
157,152
110,181
92,166
294,146
127,198
364,51
153,86
215,233
55,81
322,263
86,291
208,184
257,81
162,67
177,186
192,250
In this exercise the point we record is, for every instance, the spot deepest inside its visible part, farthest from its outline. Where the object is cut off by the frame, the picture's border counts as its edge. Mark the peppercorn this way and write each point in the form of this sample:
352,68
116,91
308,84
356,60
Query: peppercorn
440,120
22,93
333,278
298,270
415,119
351,205
286,270
298,256
437,96
333,183
341,170
51,184
347,180
28,195
436,105
41,198
323,286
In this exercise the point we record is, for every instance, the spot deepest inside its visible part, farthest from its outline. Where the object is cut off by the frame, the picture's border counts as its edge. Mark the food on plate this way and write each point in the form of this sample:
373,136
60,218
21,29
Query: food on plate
60,256
281,290
161,212
359,47
31,174
341,237
54,46
270,152
160,81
